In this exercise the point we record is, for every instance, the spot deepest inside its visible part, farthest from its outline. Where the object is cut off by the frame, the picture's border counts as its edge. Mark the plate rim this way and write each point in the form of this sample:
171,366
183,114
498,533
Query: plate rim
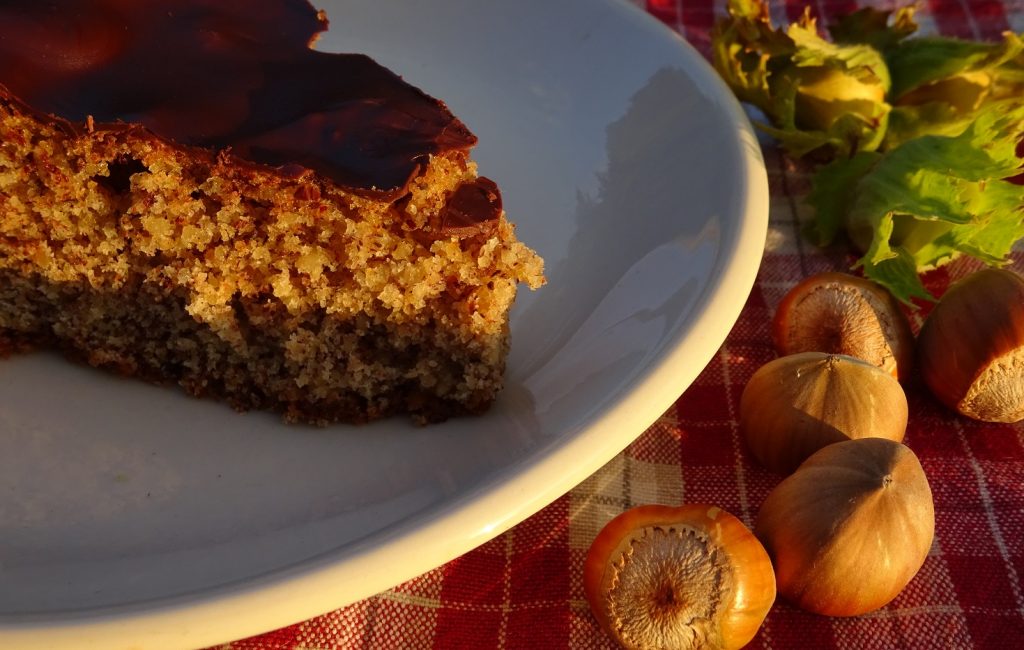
311,587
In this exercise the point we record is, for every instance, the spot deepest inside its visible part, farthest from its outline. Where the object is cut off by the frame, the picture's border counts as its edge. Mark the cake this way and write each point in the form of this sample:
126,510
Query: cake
192,194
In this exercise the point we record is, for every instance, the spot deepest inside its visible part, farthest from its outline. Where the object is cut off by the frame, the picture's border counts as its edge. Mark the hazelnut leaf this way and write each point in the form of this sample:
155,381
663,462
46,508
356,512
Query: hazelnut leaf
957,180
921,61
880,29
946,117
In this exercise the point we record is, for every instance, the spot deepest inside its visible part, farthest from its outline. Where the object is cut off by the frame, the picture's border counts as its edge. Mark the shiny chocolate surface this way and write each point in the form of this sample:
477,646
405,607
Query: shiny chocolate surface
473,209
233,75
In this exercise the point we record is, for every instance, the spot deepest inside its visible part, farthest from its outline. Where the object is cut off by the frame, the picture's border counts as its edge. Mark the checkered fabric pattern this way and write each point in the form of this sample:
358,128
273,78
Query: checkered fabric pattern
524,588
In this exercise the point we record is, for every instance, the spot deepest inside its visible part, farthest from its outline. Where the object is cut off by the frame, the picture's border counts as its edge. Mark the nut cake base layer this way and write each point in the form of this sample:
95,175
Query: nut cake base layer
270,292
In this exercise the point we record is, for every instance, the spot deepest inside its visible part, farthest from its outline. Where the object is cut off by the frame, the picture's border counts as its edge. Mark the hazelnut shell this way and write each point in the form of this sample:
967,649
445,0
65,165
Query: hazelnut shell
850,528
797,404
971,347
845,314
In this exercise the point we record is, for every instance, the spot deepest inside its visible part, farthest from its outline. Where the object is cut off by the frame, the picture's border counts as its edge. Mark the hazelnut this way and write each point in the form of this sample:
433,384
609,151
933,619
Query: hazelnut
797,404
841,313
971,347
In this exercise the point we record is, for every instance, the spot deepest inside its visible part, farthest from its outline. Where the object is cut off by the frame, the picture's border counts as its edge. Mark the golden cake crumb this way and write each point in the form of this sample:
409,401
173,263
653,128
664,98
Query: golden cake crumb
270,292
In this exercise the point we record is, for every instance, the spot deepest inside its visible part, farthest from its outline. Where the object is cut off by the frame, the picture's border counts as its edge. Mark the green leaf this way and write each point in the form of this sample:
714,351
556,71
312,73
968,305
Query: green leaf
798,142
833,189
935,197
930,242
933,118
862,62
742,45
918,62
847,134
869,26
918,173
880,248
892,267
899,275
992,239
1011,76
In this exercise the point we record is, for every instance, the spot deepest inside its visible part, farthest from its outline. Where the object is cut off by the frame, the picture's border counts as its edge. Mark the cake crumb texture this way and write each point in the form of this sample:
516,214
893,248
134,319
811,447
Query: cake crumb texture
177,264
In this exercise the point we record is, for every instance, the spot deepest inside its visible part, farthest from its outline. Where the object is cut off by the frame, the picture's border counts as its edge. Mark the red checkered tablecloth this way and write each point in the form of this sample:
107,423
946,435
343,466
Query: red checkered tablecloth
524,588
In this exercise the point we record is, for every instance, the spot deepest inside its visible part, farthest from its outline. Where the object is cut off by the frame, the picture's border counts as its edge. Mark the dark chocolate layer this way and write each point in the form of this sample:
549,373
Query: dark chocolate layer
233,75
473,209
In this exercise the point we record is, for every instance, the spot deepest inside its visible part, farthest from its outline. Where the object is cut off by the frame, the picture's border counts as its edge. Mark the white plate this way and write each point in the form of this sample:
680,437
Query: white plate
132,516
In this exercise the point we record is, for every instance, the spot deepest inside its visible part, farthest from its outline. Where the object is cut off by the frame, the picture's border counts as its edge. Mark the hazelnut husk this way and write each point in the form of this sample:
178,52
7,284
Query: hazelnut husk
845,314
971,347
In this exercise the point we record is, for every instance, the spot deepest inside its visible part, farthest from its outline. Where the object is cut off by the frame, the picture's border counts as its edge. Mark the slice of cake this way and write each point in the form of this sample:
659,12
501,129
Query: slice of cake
190,193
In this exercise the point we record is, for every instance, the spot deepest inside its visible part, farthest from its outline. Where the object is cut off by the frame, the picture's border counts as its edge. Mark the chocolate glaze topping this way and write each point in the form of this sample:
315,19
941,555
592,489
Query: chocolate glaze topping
473,209
234,75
